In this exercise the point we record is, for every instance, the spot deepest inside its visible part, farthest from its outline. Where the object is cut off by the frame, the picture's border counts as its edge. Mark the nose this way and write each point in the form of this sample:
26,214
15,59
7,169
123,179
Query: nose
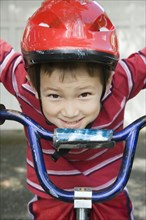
70,109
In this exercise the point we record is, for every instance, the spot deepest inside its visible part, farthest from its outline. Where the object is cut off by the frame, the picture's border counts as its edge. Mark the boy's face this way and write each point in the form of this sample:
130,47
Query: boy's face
72,101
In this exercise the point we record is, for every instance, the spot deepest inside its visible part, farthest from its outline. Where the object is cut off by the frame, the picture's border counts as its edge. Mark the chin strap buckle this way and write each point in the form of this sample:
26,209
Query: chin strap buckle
60,153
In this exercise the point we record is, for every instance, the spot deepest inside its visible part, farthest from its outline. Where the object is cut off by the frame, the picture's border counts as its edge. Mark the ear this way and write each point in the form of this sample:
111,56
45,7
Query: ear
34,90
36,94
108,85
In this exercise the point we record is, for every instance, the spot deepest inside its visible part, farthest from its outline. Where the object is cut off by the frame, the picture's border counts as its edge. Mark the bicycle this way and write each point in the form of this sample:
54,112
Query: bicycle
68,138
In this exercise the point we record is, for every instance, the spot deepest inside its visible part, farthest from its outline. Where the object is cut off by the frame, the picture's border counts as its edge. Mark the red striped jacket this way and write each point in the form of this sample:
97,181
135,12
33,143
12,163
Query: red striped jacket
96,168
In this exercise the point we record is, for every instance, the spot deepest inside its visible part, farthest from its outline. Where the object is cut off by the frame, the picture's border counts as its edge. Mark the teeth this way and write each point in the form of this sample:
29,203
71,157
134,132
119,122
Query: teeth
71,122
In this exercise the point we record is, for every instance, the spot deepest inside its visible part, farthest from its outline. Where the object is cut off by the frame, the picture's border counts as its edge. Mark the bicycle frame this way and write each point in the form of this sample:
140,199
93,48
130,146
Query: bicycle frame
84,197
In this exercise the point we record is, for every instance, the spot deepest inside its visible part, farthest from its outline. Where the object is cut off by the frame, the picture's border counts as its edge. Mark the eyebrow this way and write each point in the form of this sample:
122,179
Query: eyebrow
80,88
86,87
50,88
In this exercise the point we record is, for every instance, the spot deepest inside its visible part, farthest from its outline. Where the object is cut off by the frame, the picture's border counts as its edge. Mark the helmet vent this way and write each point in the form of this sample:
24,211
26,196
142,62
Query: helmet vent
47,20
102,23
44,25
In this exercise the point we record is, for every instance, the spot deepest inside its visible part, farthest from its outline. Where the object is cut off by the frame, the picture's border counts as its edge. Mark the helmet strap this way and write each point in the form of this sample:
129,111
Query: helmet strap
37,71
104,81
103,90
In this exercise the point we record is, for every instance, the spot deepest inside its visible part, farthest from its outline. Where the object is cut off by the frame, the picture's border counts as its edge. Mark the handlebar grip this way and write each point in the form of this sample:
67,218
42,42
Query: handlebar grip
2,107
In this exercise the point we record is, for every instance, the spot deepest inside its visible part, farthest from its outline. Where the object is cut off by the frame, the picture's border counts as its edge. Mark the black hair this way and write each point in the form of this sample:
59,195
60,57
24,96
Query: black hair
35,71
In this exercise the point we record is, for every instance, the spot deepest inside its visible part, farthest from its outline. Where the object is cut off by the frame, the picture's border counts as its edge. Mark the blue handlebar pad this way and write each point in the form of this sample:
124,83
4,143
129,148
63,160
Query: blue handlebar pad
65,138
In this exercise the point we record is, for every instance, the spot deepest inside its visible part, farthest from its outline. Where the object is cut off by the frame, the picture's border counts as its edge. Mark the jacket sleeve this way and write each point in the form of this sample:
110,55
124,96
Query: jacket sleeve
131,74
11,67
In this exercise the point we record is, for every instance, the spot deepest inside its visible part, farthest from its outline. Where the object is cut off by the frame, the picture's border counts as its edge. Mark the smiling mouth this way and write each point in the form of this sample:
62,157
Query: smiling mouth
72,124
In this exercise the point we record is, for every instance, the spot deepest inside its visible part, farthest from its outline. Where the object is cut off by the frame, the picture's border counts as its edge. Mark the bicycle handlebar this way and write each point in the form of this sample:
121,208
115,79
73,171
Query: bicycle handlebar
35,131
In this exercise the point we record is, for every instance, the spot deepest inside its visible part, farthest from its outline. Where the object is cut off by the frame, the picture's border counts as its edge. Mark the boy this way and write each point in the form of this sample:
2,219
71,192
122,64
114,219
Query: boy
70,54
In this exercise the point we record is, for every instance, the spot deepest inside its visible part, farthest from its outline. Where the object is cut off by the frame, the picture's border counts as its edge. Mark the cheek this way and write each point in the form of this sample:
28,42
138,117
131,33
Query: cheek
93,108
47,108
96,108
94,105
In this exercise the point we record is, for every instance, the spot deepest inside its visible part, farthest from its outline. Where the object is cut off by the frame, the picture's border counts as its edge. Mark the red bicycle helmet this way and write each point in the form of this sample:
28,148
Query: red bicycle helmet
70,30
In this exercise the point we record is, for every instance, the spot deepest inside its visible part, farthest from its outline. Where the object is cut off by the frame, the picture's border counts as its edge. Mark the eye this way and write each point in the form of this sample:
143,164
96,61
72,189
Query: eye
85,95
54,96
